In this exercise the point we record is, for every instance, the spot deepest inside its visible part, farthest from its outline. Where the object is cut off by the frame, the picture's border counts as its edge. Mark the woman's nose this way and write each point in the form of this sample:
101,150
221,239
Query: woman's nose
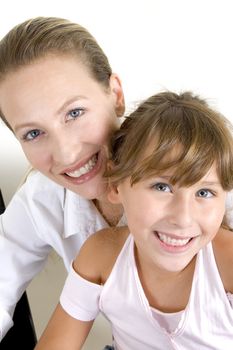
65,149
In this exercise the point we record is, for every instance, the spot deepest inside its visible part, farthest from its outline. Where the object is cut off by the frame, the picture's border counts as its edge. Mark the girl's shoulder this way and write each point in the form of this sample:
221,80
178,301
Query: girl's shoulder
99,253
223,251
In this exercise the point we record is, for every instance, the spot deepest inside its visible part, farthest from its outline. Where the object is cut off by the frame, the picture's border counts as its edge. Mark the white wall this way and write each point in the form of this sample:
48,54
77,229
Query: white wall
152,45
13,163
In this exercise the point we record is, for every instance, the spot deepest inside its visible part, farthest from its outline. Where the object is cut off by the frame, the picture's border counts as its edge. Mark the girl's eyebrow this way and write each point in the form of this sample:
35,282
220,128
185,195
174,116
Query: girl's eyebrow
202,183
165,177
209,183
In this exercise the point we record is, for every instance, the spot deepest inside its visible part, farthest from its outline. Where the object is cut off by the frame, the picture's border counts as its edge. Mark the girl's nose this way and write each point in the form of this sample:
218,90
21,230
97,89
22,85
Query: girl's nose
181,211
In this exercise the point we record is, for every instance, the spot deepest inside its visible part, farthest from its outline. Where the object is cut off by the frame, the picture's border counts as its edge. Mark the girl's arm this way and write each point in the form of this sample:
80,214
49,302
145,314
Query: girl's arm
64,332
79,298
80,295
223,250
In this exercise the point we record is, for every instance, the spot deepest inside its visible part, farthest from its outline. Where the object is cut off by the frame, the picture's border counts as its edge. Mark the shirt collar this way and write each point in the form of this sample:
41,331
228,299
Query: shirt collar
81,216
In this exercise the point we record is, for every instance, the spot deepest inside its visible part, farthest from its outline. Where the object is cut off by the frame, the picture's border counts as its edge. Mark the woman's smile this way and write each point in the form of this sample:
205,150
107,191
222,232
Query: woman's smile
86,171
63,121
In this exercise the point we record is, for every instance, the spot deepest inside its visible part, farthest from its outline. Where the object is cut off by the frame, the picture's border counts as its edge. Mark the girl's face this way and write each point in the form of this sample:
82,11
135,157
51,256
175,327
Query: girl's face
63,119
170,224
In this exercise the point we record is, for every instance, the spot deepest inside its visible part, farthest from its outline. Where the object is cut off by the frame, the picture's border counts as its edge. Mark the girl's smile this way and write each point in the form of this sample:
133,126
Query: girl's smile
173,244
170,224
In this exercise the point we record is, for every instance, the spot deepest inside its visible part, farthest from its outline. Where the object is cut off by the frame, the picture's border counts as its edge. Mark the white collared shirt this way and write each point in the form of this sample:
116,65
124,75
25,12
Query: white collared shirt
42,215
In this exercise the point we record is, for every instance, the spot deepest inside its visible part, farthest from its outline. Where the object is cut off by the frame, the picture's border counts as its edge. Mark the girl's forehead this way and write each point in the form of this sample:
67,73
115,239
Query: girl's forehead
175,163
153,145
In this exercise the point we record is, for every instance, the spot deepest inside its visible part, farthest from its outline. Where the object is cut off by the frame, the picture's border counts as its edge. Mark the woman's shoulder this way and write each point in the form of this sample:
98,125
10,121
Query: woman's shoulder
99,253
38,188
223,250
36,182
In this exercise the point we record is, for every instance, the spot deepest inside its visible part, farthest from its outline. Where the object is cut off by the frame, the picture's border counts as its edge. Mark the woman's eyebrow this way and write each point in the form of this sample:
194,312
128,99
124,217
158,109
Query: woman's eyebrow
69,101
63,106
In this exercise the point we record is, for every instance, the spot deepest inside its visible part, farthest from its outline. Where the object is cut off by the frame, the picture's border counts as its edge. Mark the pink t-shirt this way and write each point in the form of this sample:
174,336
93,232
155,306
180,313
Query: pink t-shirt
205,324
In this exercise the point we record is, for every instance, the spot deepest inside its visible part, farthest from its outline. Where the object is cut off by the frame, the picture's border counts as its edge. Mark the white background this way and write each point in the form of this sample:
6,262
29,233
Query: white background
152,44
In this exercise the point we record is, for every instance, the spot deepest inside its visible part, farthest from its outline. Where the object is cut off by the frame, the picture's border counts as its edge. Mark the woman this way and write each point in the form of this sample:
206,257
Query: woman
60,98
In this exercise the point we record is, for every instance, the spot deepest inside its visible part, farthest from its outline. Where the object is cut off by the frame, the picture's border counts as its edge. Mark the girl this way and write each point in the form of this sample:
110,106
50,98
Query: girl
166,280
60,98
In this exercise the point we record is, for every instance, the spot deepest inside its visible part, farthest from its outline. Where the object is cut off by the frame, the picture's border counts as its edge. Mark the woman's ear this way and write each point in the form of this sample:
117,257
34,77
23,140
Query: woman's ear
113,194
116,88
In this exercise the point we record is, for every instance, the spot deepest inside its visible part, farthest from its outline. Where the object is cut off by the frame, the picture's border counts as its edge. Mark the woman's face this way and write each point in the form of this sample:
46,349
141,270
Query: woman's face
63,119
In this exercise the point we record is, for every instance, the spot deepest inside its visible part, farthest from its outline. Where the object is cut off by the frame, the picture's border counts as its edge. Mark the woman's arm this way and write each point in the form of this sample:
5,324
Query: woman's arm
20,250
64,332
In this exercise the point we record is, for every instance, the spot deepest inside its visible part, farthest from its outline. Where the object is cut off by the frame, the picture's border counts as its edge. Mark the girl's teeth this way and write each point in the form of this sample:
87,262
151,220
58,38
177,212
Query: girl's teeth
172,241
85,168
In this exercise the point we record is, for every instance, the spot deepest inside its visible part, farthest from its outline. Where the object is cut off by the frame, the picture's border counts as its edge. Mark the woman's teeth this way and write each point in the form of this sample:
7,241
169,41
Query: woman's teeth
84,169
172,241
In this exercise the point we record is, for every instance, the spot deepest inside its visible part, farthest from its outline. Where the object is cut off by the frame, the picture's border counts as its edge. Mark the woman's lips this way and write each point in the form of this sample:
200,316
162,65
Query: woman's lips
86,168
86,172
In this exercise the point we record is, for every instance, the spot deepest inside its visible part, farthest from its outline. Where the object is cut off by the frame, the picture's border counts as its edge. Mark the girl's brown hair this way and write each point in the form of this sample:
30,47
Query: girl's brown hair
168,121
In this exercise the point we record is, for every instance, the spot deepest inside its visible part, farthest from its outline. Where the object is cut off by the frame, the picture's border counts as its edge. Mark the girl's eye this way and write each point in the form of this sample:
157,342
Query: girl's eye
75,113
32,135
205,193
162,187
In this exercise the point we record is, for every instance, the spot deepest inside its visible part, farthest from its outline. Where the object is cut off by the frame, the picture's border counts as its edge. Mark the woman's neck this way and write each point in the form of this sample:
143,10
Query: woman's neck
112,213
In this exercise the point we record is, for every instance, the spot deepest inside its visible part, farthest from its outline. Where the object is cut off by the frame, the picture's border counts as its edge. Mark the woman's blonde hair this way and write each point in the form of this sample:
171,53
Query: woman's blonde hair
41,36
166,122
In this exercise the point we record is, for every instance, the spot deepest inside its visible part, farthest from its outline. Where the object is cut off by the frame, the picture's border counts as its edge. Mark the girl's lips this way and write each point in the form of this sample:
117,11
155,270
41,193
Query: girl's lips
172,240
85,172
172,244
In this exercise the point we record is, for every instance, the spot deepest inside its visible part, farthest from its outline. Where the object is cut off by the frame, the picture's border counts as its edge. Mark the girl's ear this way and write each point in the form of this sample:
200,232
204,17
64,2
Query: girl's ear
113,194
116,88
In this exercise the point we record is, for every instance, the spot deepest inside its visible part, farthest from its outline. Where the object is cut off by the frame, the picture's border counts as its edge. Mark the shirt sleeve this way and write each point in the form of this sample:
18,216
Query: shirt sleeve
229,208
230,298
80,298
22,255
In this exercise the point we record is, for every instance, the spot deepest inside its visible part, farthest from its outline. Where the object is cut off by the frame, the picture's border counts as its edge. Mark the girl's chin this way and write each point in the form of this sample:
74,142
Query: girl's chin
175,265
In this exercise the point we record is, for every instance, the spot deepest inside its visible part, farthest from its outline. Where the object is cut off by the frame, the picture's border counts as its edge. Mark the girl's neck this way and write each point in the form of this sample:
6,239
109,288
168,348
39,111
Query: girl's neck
166,291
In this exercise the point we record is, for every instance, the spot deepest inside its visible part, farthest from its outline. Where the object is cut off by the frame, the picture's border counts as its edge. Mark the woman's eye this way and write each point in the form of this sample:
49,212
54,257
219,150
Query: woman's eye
75,113
31,135
205,193
162,187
